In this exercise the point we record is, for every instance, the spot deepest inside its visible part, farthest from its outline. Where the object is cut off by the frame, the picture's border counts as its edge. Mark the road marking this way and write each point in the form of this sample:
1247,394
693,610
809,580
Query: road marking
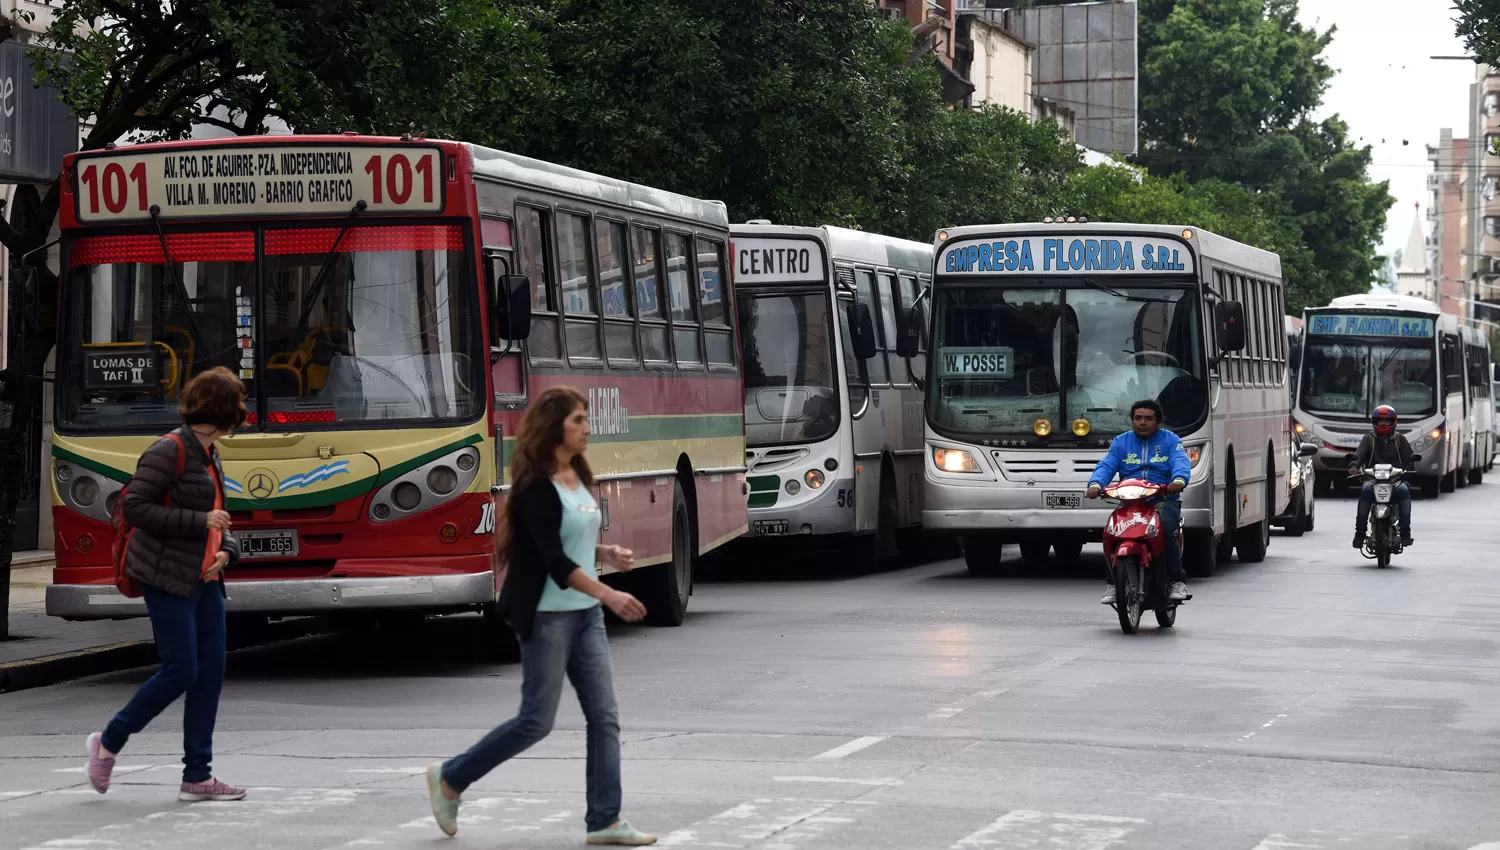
1021,678
1277,841
853,746
769,823
1025,829
117,771
400,770
500,814
879,781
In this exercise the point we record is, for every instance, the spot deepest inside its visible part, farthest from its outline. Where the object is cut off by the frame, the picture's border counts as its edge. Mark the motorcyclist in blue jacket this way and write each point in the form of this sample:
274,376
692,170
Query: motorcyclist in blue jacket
1155,454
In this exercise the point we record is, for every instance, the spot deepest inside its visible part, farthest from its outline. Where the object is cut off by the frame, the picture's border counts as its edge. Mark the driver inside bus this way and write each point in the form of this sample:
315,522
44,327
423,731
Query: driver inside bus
1155,454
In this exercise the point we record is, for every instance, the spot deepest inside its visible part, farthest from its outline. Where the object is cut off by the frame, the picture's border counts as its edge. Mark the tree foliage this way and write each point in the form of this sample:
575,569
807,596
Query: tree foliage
1478,24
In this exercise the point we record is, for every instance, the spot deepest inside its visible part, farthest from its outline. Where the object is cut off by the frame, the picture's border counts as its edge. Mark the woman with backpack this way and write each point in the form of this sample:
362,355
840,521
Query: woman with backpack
552,597
178,547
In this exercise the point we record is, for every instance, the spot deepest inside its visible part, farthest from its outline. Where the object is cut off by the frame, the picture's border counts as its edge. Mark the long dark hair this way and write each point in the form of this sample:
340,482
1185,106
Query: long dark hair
537,439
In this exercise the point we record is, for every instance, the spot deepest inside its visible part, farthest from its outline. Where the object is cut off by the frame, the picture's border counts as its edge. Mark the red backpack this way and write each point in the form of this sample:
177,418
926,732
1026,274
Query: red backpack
123,529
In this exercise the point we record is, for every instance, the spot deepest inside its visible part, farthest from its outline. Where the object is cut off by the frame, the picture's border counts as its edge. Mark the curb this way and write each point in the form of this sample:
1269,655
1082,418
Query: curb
114,657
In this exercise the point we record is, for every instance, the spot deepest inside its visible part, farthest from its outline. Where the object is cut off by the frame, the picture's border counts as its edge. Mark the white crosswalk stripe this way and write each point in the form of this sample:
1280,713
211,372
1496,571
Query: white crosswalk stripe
765,823
1023,830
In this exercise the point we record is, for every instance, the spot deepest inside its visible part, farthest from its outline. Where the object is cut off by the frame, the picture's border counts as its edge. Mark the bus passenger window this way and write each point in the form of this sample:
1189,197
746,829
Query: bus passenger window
711,280
684,314
577,285
864,287
532,229
614,294
645,246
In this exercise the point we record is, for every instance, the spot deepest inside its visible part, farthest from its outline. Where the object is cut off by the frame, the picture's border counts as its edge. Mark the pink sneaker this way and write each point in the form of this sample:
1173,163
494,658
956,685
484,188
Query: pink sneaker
213,789
100,767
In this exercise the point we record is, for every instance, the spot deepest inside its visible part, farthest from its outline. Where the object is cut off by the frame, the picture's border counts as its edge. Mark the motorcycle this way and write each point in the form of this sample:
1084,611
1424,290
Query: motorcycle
1132,543
1383,530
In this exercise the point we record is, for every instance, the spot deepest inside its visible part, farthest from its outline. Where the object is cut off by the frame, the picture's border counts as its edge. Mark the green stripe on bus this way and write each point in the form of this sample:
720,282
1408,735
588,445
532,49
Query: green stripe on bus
317,499
763,500
764,482
391,474
91,465
704,426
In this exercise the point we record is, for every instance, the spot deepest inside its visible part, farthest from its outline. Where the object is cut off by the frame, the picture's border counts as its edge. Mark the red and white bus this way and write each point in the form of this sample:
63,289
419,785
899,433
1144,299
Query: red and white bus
392,305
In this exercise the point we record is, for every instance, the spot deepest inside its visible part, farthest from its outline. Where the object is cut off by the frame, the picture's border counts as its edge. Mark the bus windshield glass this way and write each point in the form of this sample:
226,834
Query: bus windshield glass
1008,356
387,332
791,386
1348,378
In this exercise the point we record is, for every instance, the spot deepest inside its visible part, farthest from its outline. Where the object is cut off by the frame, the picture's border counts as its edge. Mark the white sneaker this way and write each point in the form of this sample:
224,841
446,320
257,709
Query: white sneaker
1109,596
1179,592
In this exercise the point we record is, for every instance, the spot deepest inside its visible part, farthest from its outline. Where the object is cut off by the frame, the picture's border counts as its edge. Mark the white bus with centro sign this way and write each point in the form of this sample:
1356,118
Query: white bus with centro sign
1044,335
833,422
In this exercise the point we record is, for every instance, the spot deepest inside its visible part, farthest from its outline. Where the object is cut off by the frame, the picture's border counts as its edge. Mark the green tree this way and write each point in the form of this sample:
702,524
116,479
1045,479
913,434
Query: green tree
1479,26
153,70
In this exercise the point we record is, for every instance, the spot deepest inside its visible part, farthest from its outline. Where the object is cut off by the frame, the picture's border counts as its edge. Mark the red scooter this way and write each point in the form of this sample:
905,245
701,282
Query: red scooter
1132,543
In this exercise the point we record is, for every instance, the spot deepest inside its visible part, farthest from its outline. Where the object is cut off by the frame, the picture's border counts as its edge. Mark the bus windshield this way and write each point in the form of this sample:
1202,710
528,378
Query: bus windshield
791,385
387,332
1008,356
1348,378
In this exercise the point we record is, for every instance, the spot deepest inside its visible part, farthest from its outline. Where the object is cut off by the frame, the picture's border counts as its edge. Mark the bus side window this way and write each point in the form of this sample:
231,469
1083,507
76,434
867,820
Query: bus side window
889,298
856,373
645,248
864,286
576,273
533,232
908,297
614,292
712,280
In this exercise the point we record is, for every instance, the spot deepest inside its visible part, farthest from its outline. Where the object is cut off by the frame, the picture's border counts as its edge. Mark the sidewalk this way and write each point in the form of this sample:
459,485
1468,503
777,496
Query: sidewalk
45,650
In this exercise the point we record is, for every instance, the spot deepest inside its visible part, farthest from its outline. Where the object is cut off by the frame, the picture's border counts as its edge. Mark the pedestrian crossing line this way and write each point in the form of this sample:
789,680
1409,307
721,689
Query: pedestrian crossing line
878,781
1022,830
755,823
853,746
501,814
1023,677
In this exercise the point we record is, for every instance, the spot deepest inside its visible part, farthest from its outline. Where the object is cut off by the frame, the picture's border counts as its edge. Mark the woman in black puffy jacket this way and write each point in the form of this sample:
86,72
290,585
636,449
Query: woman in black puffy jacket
178,551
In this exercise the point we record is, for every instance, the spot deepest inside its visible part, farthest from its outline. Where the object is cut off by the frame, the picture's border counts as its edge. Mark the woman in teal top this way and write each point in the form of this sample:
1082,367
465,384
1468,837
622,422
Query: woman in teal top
552,598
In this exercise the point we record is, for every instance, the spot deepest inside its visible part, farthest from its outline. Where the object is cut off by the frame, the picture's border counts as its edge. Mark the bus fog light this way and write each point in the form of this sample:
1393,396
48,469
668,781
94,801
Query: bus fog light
793,488
85,491
406,496
442,480
382,511
448,533
830,464
814,478
466,462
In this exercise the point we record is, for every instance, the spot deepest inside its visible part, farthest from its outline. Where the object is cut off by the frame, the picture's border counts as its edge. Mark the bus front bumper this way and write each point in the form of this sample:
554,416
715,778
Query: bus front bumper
1000,521
292,597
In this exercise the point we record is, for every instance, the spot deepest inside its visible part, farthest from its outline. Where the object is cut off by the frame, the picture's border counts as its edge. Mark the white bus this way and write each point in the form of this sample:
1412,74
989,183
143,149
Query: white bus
1480,450
833,417
1045,334
1365,350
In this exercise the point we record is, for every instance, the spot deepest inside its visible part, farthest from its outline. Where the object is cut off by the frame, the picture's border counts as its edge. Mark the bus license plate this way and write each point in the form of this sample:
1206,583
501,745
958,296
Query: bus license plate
766,527
1063,500
268,544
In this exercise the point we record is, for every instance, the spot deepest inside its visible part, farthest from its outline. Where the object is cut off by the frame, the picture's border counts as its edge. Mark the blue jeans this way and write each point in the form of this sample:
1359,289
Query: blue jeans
1171,524
562,642
1401,495
190,643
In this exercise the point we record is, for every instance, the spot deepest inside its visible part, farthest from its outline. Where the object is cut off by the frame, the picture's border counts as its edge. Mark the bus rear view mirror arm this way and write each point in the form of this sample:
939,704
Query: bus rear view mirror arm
1229,326
862,331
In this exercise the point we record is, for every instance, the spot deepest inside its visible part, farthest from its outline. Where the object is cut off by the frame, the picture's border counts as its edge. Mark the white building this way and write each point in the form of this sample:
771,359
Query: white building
1412,277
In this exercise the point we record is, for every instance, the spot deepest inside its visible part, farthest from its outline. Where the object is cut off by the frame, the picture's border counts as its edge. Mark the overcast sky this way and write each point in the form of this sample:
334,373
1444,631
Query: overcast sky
1391,93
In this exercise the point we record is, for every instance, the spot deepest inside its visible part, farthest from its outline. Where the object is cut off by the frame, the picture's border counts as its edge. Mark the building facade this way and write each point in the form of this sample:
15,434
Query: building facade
1448,217
1413,275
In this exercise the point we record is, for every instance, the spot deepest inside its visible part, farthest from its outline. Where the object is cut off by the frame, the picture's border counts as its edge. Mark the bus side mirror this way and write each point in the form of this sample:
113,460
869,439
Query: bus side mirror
511,311
862,330
1307,450
908,341
1229,325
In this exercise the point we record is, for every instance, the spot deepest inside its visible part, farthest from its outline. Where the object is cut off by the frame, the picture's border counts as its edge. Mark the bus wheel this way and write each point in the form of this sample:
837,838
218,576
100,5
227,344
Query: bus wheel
1225,544
1200,553
1476,475
1431,487
497,640
1034,550
1252,541
1449,482
667,586
1069,549
982,553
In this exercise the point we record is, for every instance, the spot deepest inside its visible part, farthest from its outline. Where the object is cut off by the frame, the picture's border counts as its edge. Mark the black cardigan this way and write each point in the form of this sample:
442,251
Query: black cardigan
536,553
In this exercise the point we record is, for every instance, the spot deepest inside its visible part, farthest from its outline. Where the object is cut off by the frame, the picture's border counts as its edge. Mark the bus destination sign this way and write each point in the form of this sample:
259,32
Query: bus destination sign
120,368
759,260
260,180
976,362
1411,327
1059,255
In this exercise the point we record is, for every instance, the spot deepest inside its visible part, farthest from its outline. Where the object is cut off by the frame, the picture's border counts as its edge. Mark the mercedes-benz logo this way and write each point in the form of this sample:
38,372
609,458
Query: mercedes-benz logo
260,483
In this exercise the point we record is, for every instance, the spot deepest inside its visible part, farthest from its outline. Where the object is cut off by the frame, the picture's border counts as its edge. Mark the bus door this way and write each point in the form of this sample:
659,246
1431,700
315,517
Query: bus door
507,357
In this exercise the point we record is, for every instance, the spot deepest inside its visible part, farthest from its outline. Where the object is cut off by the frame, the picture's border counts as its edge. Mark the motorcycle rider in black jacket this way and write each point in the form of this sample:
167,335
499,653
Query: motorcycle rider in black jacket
1382,446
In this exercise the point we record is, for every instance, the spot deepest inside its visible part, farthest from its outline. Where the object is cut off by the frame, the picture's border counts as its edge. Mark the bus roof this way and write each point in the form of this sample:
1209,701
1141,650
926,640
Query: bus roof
1209,245
1382,301
516,170
860,246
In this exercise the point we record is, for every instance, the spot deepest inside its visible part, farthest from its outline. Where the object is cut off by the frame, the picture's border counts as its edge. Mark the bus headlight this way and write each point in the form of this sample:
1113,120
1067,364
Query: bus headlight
86,491
954,460
1194,453
424,487
1429,439
814,478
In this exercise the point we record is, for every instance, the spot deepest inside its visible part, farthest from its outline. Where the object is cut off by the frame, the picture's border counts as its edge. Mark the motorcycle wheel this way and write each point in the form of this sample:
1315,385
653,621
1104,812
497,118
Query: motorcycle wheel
1128,595
1382,546
1161,586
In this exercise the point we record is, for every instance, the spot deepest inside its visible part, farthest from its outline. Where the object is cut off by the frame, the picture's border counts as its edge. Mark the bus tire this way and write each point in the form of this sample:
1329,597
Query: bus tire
1225,545
1035,550
665,588
1251,542
1431,487
1068,549
497,640
1200,553
1449,482
1476,475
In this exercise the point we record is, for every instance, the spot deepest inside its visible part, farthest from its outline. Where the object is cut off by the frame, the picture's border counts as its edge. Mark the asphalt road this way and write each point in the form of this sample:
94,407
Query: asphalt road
1311,701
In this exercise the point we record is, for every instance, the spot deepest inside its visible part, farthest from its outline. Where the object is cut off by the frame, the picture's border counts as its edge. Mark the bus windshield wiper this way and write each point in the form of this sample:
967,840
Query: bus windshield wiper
1141,299
322,277
170,269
